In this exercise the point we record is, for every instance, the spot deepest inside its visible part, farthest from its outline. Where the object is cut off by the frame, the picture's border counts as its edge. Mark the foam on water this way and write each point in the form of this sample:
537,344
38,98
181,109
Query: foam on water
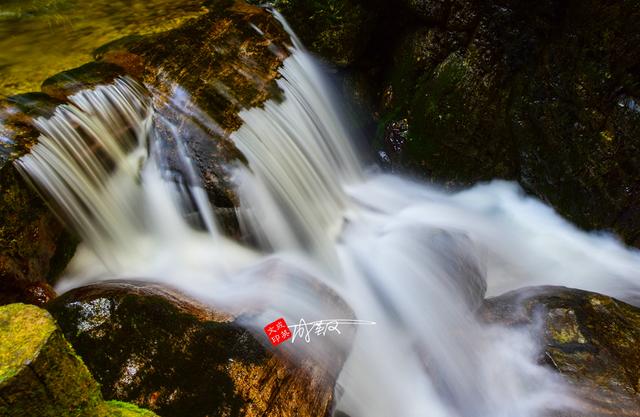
413,258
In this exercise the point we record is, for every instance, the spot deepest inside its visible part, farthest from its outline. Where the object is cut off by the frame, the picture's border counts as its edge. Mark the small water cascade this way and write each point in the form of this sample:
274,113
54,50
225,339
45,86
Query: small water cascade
412,258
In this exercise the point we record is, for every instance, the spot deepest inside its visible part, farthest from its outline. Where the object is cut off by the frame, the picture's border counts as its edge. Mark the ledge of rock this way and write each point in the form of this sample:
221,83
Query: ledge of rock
592,340
225,60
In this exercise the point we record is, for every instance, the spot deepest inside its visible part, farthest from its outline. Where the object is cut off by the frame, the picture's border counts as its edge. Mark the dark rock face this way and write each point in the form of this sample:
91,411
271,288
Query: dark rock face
591,339
337,30
158,349
34,245
545,93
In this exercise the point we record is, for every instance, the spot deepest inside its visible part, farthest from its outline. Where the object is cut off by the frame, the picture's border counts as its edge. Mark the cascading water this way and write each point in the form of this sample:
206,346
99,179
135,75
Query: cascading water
412,258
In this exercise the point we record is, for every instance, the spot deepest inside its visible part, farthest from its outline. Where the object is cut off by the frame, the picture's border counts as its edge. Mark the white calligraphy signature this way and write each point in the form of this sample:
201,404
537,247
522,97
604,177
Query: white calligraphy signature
321,327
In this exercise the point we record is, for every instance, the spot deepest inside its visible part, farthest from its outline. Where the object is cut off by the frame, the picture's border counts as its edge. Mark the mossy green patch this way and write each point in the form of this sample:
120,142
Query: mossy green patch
24,330
120,409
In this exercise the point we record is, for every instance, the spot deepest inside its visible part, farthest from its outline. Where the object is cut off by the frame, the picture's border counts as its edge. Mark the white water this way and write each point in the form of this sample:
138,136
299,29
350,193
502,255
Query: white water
412,258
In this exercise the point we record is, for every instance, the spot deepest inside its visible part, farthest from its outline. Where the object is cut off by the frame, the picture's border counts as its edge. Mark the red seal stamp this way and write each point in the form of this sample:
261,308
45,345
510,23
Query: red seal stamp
278,331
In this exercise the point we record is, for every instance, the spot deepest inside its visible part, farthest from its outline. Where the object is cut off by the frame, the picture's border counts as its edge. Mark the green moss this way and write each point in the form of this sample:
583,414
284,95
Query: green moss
120,409
24,330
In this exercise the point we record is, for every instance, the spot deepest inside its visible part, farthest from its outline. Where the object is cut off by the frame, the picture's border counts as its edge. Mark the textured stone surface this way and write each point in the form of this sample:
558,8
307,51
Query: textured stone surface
156,348
592,340
40,375
545,94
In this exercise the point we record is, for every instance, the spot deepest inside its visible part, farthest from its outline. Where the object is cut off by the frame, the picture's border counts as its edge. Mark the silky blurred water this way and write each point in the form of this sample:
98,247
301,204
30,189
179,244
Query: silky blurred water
415,259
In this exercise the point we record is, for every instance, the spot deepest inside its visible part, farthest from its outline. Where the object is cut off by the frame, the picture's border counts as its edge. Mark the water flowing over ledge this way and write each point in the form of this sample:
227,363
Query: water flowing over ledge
412,258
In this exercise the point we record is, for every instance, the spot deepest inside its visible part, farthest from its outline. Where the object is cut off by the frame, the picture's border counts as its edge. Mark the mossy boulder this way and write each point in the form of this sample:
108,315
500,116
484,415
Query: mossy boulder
592,340
161,350
546,94
34,245
40,374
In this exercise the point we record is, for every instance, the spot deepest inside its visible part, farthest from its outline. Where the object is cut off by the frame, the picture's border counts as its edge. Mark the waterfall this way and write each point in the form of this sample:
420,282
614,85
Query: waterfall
412,258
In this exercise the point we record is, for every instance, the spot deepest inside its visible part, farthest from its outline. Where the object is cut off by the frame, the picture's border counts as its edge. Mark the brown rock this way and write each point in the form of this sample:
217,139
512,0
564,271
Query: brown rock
592,340
154,347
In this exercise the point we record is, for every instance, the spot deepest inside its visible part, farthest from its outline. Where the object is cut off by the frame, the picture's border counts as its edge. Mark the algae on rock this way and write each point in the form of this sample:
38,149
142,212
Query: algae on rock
40,374
592,340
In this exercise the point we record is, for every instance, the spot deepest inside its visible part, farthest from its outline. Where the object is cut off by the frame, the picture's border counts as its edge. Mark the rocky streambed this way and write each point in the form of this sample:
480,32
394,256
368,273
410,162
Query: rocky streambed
453,91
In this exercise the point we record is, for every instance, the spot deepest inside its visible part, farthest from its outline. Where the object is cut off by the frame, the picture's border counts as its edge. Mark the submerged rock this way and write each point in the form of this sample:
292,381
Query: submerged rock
545,94
40,374
159,349
592,340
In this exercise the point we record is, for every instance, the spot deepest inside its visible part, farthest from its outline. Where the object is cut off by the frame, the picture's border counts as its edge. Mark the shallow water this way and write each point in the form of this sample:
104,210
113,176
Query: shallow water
39,38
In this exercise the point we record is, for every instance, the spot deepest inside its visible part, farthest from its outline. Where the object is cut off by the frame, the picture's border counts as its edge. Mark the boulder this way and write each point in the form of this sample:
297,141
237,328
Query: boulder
40,374
546,94
161,350
592,340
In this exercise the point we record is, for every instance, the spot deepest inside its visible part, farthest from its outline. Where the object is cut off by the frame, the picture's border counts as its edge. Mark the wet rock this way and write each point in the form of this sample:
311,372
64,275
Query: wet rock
337,30
541,94
216,65
88,76
544,94
34,245
40,374
159,349
592,340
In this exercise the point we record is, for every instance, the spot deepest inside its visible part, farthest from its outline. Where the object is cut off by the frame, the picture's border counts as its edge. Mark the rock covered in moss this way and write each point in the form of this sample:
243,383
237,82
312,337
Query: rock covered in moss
34,245
592,340
120,409
40,375
545,93
156,348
